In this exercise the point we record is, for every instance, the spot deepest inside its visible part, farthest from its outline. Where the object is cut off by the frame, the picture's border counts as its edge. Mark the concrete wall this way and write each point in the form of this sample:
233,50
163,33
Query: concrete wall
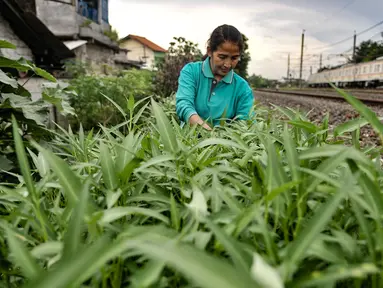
63,20
22,50
34,86
99,55
60,18
138,52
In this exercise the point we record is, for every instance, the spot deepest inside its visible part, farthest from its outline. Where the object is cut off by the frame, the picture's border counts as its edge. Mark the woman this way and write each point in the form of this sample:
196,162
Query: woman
210,90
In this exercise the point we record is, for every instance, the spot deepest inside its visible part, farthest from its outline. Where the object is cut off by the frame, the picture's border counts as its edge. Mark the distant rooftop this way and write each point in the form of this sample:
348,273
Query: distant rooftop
145,42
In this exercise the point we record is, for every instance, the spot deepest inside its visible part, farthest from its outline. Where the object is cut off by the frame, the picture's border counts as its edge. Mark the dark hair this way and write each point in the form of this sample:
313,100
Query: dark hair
222,34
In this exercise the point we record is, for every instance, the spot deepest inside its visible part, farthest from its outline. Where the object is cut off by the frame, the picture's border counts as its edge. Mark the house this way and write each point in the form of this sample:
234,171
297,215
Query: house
33,41
142,50
83,26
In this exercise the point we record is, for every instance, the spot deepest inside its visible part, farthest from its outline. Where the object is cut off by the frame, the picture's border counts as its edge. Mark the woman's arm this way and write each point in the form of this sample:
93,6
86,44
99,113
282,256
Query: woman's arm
186,93
245,103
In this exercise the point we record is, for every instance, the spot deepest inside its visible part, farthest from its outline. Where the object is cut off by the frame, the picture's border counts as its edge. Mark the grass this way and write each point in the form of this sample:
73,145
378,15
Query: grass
271,203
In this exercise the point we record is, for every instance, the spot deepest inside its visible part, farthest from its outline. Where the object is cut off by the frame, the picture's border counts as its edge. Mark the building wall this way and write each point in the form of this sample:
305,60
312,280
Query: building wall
60,18
139,52
99,55
22,50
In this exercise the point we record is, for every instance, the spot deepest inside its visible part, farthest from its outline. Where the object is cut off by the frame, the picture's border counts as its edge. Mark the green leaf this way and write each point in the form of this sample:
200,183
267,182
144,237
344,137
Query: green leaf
201,268
72,238
174,214
125,152
67,178
23,161
44,74
6,45
264,274
131,103
232,248
115,105
155,161
350,126
292,155
47,249
71,271
148,275
332,150
22,257
5,164
31,110
297,249
216,141
337,273
363,110
129,168
20,64
62,104
165,129
113,214
308,126
6,80
107,168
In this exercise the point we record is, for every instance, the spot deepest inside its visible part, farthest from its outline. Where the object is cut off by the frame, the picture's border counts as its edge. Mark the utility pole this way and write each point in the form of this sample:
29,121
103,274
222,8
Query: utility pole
300,68
320,61
288,67
311,70
353,52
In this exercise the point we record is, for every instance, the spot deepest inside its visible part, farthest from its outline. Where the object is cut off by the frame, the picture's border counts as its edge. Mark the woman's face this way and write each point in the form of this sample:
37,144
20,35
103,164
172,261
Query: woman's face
224,59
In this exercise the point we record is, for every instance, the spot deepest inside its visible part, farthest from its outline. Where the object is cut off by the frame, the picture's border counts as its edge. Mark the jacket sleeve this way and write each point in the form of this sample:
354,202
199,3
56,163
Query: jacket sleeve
245,104
186,94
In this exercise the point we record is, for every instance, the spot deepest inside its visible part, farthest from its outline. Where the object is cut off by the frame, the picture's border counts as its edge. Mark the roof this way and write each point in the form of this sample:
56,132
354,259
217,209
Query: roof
145,42
46,47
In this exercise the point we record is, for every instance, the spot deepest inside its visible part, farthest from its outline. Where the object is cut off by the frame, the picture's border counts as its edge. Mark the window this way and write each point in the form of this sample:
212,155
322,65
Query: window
88,9
364,69
377,68
105,11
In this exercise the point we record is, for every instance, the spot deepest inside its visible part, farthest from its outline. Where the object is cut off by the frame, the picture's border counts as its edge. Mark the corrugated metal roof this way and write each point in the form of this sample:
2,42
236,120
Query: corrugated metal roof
74,44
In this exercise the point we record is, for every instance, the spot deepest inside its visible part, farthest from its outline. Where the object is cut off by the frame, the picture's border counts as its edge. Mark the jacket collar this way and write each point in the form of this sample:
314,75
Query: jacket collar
206,70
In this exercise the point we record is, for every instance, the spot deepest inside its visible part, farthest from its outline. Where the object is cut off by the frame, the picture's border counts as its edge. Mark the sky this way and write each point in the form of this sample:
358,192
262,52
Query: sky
274,27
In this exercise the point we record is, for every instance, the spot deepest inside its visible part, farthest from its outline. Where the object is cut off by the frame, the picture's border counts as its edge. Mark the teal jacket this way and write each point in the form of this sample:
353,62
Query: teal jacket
231,98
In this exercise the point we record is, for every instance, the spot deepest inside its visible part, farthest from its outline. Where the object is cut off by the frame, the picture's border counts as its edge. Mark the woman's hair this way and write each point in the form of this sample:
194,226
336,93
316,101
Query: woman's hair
222,34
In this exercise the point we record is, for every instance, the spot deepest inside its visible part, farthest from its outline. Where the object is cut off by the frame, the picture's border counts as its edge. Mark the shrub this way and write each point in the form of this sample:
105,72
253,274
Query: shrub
179,54
271,203
93,108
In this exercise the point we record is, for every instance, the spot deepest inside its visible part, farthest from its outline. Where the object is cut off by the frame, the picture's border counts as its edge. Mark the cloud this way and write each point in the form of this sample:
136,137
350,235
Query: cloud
273,27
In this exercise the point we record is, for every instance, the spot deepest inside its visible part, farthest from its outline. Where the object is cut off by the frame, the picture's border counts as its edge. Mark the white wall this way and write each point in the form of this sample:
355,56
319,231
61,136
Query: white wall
22,50
138,52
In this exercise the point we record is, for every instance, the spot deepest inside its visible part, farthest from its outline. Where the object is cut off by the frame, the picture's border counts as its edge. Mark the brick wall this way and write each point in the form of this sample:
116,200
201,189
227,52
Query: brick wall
6,33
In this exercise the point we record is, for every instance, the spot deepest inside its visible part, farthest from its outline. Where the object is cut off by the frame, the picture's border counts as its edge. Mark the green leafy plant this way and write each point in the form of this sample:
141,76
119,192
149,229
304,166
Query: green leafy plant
31,115
266,203
93,108
180,52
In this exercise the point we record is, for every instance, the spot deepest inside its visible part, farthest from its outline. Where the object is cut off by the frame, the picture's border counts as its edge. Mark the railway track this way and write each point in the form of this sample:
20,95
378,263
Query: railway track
352,90
331,95
317,106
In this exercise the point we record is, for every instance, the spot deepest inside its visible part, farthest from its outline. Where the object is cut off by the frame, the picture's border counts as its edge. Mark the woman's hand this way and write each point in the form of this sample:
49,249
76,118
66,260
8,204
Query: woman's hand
195,119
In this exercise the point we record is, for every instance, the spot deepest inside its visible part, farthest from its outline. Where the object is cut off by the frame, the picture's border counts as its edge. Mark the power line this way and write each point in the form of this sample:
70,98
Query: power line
349,38
341,10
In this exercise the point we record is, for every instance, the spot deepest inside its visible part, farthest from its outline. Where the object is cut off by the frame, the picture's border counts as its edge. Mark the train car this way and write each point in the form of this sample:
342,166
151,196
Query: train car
361,75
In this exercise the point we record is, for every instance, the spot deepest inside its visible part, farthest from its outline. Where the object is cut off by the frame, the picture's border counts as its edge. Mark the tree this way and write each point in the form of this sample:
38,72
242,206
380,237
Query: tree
257,81
242,66
178,55
367,51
